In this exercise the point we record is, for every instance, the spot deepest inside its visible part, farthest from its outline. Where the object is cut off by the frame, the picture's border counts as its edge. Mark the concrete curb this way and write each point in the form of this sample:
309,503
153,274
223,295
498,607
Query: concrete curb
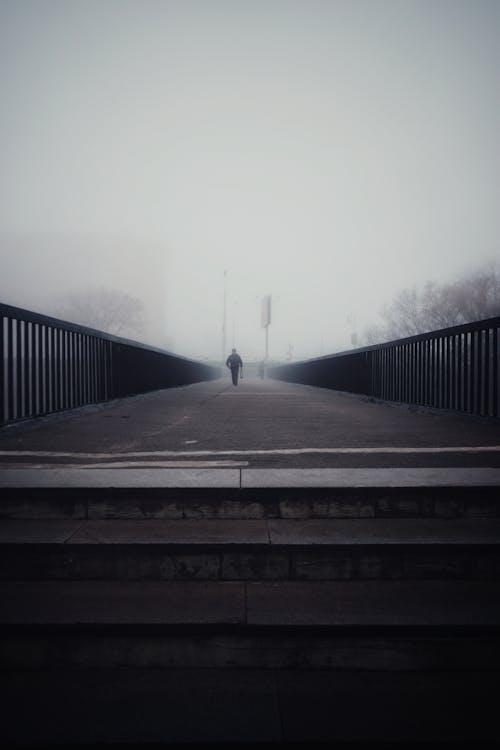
250,478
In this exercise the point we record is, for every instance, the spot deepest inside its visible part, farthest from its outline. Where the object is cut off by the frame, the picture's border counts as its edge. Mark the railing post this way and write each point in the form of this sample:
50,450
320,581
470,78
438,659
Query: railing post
3,373
487,363
496,384
455,368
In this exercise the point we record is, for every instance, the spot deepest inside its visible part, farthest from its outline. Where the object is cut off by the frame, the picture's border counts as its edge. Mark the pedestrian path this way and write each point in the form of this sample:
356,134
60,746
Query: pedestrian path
259,423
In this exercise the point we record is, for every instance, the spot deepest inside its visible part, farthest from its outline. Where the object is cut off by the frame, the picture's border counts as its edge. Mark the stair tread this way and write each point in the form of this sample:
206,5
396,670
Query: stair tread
250,477
290,603
273,532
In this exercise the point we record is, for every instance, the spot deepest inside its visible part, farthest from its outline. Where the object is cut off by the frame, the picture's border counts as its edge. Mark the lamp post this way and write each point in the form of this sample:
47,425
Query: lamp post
224,322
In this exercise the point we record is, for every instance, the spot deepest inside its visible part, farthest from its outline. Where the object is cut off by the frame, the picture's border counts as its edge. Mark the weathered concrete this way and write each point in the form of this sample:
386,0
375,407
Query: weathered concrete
287,603
380,603
267,533
312,549
20,562
299,648
110,478
119,602
249,503
382,531
250,478
37,532
393,477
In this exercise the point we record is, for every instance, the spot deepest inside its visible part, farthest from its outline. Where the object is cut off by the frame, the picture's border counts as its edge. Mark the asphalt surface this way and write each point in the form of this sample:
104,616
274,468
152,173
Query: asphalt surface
258,424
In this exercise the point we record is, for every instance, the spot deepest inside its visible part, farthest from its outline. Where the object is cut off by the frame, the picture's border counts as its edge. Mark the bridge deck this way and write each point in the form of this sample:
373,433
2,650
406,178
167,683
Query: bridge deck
258,424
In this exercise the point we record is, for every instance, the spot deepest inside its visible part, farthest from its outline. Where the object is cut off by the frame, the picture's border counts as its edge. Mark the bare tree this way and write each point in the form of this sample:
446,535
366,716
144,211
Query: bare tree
403,314
473,297
479,296
374,335
109,310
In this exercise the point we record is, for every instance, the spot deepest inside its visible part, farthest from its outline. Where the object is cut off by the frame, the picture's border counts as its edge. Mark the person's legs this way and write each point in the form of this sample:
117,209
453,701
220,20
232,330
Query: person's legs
234,373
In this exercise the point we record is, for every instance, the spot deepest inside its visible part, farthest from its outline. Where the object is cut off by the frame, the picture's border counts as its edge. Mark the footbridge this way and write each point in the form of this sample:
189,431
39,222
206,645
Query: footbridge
311,556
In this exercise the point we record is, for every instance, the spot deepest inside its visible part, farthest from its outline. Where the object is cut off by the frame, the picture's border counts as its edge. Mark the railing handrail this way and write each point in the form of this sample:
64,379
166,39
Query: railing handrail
48,365
19,313
454,368
477,325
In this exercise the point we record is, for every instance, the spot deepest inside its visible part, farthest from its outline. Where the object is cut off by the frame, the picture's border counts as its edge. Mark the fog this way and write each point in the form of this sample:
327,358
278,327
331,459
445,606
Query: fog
328,153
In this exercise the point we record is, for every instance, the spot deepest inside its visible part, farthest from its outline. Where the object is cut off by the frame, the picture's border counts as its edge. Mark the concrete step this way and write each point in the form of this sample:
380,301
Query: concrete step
252,706
167,604
346,625
272,604
272,549
170,503
393,649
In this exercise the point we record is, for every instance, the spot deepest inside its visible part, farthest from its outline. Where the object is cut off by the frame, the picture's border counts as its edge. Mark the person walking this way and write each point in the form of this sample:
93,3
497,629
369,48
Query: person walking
235,364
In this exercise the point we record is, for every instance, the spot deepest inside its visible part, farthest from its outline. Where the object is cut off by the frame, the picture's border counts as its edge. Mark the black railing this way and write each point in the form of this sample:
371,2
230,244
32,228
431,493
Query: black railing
49,365
454,368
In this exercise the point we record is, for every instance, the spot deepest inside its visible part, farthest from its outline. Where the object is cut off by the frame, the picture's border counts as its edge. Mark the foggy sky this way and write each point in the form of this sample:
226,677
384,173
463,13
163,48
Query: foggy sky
328,153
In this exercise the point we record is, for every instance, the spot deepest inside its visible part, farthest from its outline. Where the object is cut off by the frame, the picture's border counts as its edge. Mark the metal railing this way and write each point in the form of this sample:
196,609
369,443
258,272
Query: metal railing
50,365
453,368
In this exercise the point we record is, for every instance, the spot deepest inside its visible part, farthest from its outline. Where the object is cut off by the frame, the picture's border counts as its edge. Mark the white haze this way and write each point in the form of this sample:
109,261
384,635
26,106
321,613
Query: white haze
328,153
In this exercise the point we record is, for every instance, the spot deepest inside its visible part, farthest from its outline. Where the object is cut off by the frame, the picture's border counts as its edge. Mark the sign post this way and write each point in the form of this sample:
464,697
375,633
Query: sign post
266,320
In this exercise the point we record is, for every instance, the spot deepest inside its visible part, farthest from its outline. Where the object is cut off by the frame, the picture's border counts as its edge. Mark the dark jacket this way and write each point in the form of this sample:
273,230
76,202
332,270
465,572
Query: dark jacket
234,361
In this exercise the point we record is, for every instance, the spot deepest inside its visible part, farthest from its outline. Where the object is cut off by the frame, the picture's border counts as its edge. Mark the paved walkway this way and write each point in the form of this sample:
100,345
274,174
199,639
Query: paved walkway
259,424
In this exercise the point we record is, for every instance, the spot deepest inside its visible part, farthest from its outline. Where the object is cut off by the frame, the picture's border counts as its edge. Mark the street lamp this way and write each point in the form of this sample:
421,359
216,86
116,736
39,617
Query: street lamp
224,322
